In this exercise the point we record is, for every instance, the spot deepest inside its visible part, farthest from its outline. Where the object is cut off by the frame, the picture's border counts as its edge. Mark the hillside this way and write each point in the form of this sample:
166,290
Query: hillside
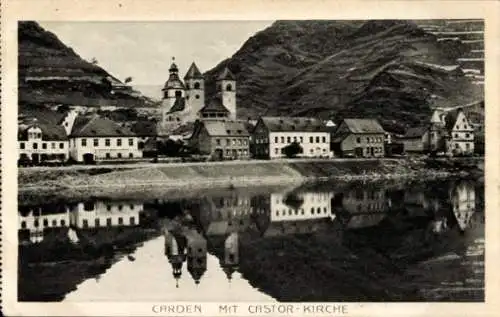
391,70
51,73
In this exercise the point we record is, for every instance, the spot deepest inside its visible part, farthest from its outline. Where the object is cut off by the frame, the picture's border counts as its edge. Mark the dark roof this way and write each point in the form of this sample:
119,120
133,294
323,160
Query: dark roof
144,128
451,118
173,68
193,72
415,132
226,74
288,124
225,128
214,105
44,116
179,105
339,137
364,126
173,82
99,127
50,132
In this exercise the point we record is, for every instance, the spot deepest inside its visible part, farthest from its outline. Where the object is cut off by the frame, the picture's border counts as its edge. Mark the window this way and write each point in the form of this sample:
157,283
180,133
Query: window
131,155
45,223
84,142
456,135
96,142
53,145
282,139
467,135
63,223
108,222
35,223
276,151
39,135
97,222
35,146
311,139
108,207
118,142
358,140
467,146
197,96
120,207
228,142
276,139
119,155
61,145
21,145
132,220
107,142
457,146
108,155
324,139
131,207
131,142
217,141
44,146
301,139
54,223
317,139
88,206
120,221
288,139
85,223
196,85
294,139
229,87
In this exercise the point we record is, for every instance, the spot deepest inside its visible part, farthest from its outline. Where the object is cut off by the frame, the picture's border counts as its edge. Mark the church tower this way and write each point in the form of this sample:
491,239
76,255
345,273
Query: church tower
226,86
173,92
195,91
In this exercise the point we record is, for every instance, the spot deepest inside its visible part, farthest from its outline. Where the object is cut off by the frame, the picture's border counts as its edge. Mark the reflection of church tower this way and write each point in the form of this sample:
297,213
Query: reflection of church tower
175,251
231,255
196,255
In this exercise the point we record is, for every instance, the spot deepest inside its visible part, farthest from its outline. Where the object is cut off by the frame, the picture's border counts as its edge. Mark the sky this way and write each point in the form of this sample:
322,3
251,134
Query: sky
144,50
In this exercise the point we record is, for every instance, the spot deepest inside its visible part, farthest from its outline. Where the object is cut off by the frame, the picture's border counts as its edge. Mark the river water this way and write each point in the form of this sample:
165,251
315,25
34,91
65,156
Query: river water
420,241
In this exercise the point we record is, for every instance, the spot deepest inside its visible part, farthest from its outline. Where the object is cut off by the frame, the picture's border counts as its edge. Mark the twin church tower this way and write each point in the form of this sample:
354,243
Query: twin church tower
184,102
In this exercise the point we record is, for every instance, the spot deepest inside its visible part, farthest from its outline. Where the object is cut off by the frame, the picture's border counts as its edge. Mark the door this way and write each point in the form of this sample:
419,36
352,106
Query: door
88,158
35,158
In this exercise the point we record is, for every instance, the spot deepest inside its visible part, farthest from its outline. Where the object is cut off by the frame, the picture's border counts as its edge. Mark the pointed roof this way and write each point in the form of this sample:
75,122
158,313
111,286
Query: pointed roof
173,82
226,74
451,118
193,72
50,132
289,124
364,126
214,105
415,132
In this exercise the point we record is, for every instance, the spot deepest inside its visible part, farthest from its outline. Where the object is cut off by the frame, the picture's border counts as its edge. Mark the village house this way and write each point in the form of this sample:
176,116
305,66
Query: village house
312,205
360,138
460,138
35,222
94,138
221,139
42,142
94,214
272,134
416,140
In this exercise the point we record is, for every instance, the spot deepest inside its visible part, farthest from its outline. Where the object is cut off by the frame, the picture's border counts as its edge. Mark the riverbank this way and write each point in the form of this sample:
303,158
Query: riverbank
124,181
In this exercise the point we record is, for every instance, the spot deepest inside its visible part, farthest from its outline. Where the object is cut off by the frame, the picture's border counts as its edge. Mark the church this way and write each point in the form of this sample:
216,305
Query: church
184,101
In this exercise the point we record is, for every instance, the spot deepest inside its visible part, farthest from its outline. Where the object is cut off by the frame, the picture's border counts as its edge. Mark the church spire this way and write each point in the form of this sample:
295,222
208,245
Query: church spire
173,67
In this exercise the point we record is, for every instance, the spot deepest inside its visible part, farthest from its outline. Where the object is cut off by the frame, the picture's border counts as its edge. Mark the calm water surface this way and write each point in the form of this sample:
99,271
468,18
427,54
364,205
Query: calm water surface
350,242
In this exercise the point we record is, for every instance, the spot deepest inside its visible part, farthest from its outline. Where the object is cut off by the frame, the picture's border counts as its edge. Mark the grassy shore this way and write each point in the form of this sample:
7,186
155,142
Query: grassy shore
125,181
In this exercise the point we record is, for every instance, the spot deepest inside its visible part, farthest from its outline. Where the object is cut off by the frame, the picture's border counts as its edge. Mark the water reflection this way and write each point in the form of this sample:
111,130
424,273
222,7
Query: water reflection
422,241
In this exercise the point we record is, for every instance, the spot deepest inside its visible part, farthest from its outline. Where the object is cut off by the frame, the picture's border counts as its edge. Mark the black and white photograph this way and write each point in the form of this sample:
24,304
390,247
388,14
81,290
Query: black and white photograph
267,162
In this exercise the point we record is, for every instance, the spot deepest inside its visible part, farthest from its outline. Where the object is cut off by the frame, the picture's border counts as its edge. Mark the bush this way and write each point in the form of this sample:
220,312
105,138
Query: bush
292,149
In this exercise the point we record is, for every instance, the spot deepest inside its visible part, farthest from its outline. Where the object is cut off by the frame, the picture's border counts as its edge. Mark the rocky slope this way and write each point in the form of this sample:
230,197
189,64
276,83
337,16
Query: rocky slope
392,70
51,73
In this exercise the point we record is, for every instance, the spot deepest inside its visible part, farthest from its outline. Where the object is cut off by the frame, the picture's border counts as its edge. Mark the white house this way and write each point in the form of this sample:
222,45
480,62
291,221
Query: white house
272,134
40,142
94,214
93,138
461,133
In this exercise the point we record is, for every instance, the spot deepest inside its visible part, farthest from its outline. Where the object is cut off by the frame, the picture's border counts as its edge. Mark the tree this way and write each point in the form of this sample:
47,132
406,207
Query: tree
93,61
292,149
127,80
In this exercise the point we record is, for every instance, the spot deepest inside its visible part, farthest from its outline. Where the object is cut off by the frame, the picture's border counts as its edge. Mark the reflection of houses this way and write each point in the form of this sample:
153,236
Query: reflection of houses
417,203
33,221
230,213
309,205
463,202
360,207
94,214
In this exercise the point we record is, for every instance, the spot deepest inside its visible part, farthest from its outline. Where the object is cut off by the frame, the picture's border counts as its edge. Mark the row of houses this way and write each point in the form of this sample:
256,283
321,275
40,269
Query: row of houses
90,138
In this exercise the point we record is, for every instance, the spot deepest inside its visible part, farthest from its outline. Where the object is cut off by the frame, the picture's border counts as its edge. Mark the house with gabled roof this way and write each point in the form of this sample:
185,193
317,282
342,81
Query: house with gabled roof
222,139
93,138
460,138
360,138
416,139
272,134
39,142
